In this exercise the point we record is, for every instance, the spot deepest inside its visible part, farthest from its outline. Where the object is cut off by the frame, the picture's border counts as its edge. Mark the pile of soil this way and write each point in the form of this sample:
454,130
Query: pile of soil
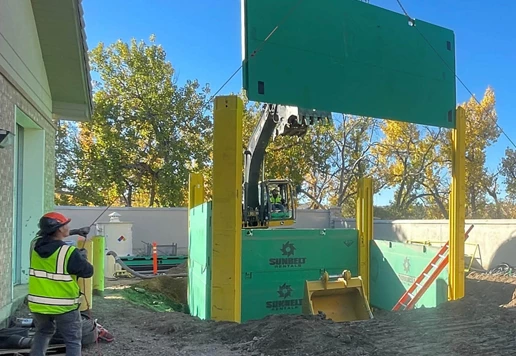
179,269
174,288
474,325
490,289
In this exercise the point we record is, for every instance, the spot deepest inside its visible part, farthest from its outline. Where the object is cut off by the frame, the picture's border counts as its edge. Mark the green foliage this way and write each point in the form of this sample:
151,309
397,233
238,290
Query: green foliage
147,132
508,170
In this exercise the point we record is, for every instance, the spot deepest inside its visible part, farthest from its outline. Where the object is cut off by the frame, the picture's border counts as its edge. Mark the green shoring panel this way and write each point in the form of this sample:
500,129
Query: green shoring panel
347,56
277,262
395,266
199,255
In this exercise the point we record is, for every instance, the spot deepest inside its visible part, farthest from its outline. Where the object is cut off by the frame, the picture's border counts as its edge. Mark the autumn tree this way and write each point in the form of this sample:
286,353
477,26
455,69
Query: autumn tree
409,159
147,132
482,131
346,147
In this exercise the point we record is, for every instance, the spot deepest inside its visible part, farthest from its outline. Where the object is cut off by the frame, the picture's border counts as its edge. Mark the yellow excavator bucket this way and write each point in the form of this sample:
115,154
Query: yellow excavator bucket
341,299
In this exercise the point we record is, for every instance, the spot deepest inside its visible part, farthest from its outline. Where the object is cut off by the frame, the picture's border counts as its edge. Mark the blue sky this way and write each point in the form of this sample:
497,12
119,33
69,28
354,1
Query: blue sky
202,40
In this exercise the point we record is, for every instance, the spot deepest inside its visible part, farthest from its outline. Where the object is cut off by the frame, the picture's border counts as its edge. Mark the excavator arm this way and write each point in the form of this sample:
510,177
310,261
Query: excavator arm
275,120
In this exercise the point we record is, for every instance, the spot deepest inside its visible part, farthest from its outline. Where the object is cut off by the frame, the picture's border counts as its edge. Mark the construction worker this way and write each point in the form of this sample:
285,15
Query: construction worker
277,201
53,289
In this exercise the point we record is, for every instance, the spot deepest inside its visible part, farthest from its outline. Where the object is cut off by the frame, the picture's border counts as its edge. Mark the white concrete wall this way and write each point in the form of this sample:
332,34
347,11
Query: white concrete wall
496,238
163,225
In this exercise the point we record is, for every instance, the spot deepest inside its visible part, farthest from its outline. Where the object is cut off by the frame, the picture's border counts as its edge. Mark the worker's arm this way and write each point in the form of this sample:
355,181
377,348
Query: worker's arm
79,266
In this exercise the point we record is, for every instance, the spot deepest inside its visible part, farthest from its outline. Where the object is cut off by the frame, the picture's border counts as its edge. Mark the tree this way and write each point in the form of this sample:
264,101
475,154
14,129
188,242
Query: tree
481,132
344,156
66,162
508,171
409,160
147,132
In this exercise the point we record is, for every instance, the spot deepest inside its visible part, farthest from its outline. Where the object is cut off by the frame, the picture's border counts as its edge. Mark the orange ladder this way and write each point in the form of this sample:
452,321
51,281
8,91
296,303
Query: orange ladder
426,278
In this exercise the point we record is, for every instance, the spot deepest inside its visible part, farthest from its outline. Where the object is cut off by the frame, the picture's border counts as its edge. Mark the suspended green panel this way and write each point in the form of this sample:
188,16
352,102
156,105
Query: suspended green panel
395,266
272,250
199,255
350,57
277,292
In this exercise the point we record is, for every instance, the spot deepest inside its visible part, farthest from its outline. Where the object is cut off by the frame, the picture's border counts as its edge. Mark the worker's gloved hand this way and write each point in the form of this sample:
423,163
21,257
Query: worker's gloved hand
83,231
84,253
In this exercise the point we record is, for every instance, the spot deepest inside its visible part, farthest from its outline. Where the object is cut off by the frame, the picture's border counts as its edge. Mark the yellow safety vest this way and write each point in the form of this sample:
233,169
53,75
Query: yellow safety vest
52,290
276,200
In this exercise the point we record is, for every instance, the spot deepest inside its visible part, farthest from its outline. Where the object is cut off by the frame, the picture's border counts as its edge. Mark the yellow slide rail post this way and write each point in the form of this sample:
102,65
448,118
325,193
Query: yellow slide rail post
456,279
227,209
99,257
85,284
195,190
365,229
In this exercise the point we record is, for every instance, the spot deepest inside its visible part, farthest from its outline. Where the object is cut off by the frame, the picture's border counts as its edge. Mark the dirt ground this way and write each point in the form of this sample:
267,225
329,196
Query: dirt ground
482,323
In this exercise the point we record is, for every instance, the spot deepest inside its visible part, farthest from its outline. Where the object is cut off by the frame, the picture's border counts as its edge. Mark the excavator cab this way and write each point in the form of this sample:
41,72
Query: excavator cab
278,201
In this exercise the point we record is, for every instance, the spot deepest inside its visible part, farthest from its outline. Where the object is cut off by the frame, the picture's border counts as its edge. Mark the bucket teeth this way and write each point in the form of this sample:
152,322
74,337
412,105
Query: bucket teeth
294,121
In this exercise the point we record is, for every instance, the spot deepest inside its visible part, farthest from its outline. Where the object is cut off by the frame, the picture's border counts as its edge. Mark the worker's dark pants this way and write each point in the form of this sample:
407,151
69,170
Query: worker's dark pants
279,207
68,324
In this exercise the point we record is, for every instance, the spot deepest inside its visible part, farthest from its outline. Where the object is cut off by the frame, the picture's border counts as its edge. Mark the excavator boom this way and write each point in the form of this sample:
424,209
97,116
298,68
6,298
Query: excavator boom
275,120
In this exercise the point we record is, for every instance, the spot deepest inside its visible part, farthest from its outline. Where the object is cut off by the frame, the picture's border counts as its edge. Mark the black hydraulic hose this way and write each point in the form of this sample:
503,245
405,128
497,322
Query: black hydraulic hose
16,342
137,274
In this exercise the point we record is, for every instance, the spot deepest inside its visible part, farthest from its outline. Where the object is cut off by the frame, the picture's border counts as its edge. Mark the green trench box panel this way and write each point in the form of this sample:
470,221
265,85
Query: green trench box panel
395,266
343,55
274,250
199,255
278,292
277,262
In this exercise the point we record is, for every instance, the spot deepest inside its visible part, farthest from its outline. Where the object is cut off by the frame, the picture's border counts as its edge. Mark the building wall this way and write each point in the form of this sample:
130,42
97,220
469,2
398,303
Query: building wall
20,53
496,239
11,101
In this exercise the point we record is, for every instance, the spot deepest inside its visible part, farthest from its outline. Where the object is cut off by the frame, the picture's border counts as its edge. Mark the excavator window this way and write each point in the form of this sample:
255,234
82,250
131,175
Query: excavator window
280,199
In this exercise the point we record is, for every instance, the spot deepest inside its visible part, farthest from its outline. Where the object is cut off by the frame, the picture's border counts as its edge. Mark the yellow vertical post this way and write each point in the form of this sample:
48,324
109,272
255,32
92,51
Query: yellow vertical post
99,254
85,284
227,209
456,279
365,229
195,198
196,190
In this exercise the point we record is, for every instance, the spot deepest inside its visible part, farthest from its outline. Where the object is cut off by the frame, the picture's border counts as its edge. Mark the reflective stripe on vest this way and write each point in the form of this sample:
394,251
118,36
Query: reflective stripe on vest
61,259
52,276
52,290
53,301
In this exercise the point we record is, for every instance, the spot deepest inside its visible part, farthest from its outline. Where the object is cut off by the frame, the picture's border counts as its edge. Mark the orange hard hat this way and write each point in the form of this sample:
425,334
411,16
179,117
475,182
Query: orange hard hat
51,222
